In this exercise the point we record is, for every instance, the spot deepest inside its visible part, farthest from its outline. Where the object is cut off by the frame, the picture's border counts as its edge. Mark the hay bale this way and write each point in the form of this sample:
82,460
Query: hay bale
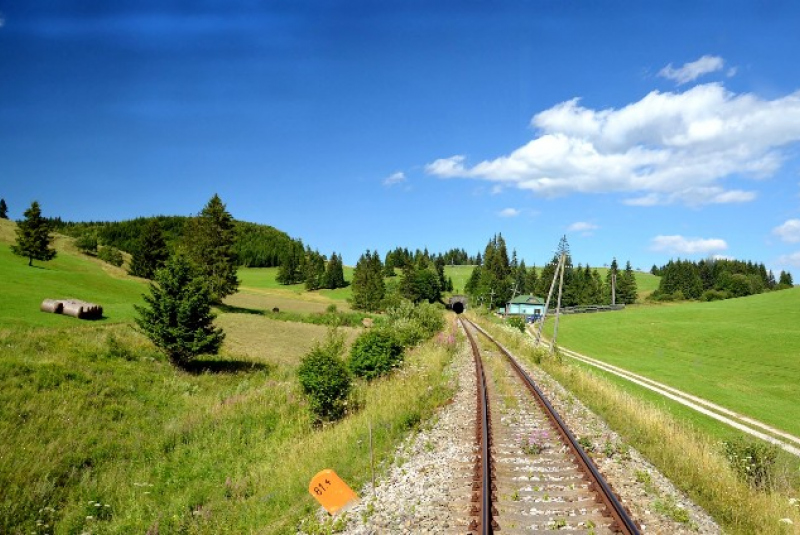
82,309
53,306
73,308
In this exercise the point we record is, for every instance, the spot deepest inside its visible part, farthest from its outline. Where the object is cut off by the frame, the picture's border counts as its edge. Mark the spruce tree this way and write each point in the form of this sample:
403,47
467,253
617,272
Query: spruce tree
368,285
33,236
177,314
785,278
292,265
151,251
3,209
334,273
314,270
532,281
209,243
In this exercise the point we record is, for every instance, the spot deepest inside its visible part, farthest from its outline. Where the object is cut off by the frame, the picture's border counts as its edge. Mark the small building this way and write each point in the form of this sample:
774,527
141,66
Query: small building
525,305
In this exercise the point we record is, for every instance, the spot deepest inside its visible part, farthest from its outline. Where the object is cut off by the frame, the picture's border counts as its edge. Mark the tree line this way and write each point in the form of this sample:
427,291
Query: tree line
254,245
712,279
497,280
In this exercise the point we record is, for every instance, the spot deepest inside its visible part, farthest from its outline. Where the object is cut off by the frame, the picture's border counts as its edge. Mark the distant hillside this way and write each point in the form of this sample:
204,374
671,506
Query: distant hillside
256,245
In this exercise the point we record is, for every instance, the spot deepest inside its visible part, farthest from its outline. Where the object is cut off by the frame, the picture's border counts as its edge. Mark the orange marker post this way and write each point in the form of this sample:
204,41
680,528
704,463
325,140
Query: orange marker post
331,492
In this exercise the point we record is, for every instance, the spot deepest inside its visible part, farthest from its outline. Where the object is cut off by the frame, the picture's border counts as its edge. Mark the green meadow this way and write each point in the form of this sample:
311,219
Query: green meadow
70,274
102,435
646,283
740,353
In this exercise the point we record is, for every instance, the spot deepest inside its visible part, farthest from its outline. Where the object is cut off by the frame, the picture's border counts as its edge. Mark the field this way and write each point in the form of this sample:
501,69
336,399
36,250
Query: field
102,435
740,353
70,274
460,276
646,283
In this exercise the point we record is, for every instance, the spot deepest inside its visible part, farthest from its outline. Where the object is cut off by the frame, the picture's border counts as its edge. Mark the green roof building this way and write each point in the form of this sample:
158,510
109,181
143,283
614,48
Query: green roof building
525,305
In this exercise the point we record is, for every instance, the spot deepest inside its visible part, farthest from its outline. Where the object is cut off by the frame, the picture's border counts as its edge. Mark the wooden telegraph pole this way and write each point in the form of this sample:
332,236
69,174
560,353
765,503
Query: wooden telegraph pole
558,308
547,303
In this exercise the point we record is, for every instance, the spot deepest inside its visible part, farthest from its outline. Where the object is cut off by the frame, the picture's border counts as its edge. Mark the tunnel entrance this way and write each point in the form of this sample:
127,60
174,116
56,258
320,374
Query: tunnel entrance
458,307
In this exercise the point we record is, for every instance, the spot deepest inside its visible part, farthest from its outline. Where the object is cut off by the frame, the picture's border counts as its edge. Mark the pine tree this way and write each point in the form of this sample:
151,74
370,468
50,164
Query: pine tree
33,236
210,239
151,252
334,273
368,285
177,314
314,270
3,209
532,281
292,264
785,279
628,290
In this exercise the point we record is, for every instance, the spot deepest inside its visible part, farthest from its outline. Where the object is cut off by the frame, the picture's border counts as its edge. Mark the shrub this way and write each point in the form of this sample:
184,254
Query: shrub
110,255
375,353
713,295
517,323
325,378
754,462
412,324
87,243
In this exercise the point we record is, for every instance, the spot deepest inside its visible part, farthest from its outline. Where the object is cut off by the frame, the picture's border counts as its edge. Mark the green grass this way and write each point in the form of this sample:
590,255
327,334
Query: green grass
460,276
70,274
646,283
740,353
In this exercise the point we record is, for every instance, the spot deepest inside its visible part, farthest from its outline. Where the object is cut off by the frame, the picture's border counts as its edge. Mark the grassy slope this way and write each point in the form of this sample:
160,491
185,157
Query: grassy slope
90,412
460,276
741,353
70,274
646,283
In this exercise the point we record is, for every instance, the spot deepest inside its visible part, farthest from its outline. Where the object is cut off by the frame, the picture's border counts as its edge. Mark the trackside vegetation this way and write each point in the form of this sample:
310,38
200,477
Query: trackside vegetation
696,462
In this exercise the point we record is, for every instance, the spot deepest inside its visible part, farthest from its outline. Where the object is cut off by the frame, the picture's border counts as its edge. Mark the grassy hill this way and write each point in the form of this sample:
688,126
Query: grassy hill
741,353
70,274
646,283
100,434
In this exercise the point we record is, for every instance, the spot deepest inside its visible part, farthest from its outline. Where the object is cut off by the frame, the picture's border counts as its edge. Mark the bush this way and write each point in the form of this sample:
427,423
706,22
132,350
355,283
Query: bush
713,295
110,255
325,379
412,324
517,323
87,243
375,353
754,462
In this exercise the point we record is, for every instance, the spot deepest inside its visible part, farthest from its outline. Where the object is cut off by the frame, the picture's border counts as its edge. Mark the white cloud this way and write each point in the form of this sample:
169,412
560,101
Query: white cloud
582,226
665,148
792,259
509,212
688,246
789,231
693,70
394,179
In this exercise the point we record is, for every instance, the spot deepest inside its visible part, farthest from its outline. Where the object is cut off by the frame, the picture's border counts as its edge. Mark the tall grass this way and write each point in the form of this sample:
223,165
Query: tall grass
94,415
693,461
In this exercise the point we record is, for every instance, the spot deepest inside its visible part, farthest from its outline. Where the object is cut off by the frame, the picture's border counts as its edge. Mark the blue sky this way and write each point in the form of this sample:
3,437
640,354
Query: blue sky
641,130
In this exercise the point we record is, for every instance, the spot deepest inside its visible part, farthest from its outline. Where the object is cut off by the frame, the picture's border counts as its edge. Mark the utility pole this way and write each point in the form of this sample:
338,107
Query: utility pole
558,309
547,303
513,295
613,287
491,300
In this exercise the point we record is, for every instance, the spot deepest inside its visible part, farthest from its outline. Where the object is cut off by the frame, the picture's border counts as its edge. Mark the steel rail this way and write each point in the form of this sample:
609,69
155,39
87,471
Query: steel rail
621,520
483,472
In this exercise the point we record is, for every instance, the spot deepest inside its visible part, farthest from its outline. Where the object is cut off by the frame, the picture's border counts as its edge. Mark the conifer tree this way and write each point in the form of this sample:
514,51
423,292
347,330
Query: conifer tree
368,285
334,273
314,270
532,281
151,252
209,243
292,264
33,236
785,278
177,314
3,209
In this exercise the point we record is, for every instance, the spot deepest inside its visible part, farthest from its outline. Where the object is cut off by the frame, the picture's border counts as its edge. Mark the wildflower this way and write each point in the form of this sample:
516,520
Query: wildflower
787,521
794,501
89,518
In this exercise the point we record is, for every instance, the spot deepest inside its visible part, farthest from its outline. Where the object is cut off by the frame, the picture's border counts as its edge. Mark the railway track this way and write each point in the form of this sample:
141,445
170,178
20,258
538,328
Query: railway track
530,473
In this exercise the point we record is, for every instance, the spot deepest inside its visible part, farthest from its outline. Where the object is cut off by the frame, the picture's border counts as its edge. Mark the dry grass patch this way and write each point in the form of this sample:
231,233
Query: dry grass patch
257,338
264,300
